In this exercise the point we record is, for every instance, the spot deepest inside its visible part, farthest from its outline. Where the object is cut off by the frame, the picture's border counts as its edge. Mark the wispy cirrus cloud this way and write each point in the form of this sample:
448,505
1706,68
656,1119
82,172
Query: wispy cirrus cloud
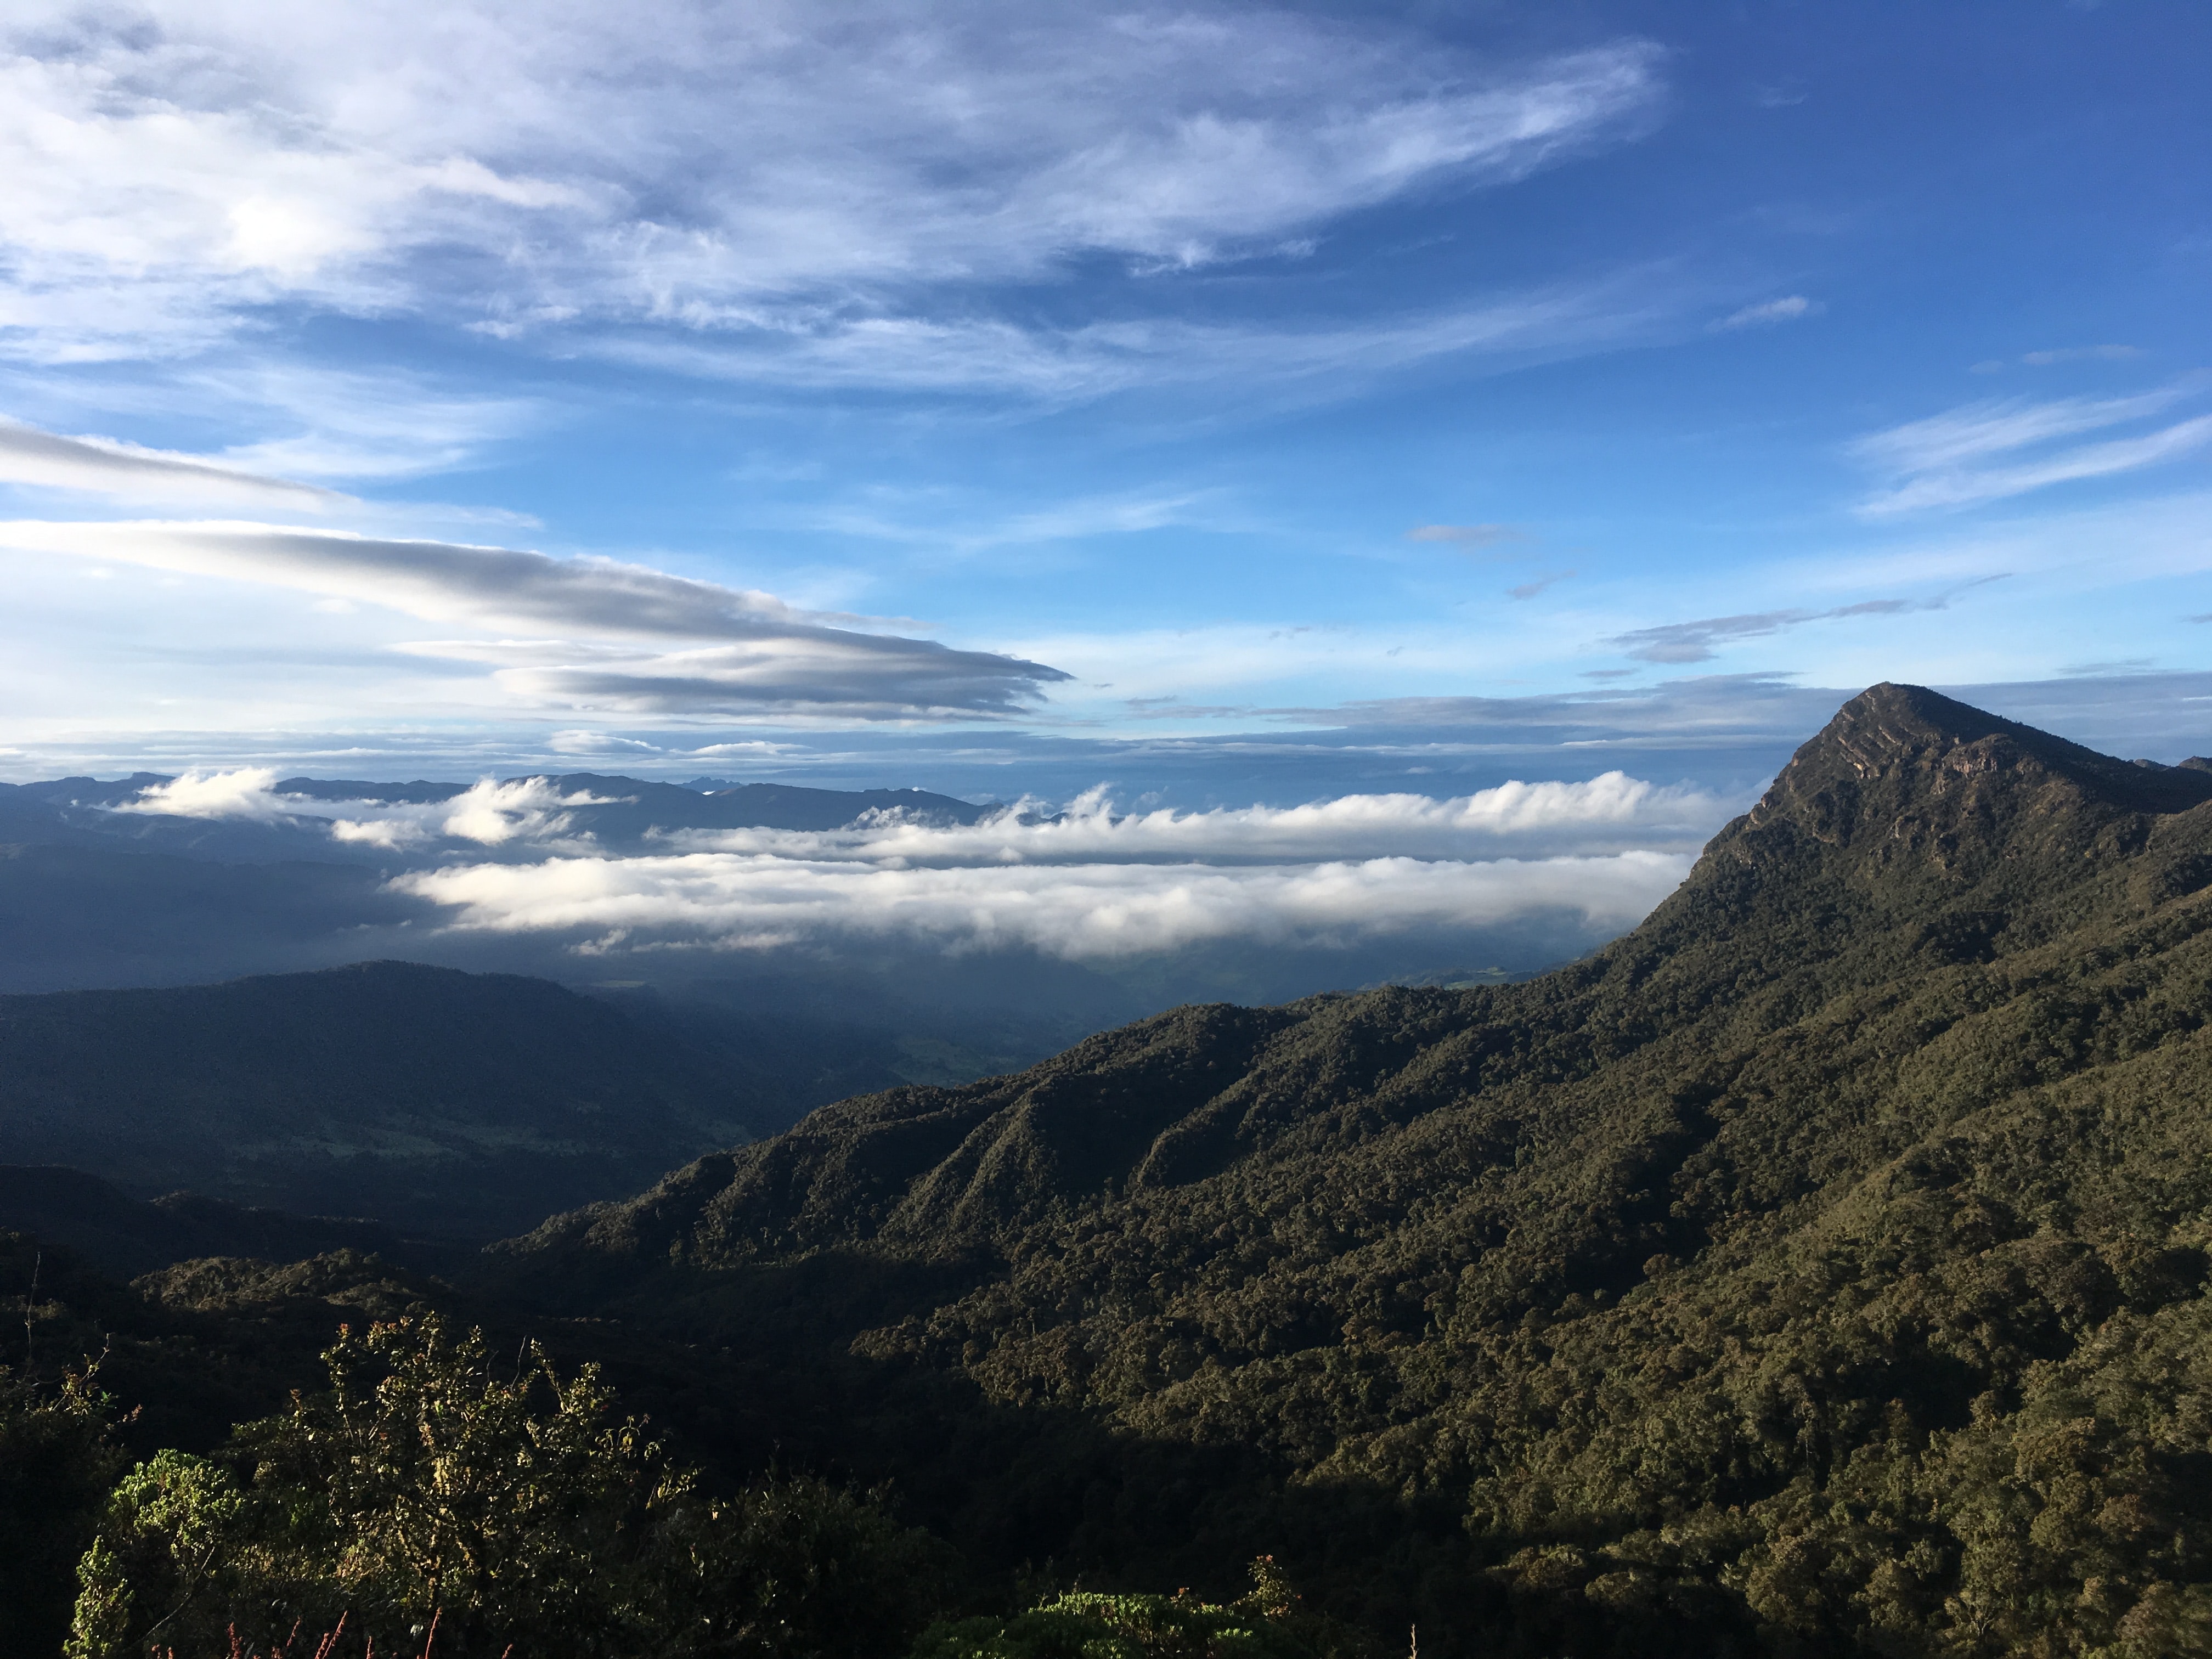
1698,642
708,649
799,180
2001,447
834,350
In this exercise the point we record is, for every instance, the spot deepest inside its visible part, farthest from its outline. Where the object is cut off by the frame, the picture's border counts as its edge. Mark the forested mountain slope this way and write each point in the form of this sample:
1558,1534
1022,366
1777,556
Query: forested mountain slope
1818,1269
458,1104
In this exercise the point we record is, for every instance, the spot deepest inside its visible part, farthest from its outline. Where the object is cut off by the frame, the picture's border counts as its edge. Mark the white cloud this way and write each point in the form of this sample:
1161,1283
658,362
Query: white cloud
247,793
1947,460
731,901
1089,885
487,813
1611,813
437,581
680,166
756,653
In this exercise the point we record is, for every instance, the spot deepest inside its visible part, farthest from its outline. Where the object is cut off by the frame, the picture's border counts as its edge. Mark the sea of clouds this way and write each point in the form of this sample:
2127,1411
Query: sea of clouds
1084,883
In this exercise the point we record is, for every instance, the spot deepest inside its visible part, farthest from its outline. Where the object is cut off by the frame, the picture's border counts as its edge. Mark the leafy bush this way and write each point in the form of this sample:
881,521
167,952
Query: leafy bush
512,1512
56,1463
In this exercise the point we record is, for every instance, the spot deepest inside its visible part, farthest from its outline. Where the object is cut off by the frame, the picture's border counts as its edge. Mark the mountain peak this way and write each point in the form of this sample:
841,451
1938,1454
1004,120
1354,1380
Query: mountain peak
1898,755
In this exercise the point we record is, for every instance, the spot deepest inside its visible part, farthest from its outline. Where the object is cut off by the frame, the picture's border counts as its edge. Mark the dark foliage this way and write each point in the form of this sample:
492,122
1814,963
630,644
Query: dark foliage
56,1462
430,1488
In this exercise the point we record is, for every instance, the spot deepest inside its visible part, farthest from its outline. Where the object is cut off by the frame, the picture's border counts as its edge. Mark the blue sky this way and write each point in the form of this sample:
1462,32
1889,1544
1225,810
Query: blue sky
1238,404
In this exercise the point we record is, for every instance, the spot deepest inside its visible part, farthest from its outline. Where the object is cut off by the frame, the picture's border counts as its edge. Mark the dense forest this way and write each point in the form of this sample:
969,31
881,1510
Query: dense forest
1819,1269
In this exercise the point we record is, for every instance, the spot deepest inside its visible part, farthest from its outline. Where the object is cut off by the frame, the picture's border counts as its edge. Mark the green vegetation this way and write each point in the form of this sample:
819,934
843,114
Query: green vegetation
1820,1270
423,1487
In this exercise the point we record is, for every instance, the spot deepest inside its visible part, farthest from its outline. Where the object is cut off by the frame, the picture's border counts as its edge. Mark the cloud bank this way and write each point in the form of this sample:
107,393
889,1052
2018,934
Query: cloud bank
488,813
1610,813
1082,912
1087,885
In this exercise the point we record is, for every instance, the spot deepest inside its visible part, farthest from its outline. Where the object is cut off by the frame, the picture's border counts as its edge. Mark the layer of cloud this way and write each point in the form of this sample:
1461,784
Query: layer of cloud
1978,453
1088,884
714,649
102,466
683,167
1086,912
1609,813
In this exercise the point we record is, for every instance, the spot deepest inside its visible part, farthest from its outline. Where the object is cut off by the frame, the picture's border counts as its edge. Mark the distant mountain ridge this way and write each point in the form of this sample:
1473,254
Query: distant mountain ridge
1821,1268
94,896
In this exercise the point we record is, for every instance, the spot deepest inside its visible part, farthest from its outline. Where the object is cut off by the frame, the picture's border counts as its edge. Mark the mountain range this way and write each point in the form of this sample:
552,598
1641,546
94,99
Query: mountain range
1819,1268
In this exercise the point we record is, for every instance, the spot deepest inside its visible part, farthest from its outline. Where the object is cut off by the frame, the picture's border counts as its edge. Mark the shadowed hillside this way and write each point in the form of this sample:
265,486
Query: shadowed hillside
456,1104
1818,1269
